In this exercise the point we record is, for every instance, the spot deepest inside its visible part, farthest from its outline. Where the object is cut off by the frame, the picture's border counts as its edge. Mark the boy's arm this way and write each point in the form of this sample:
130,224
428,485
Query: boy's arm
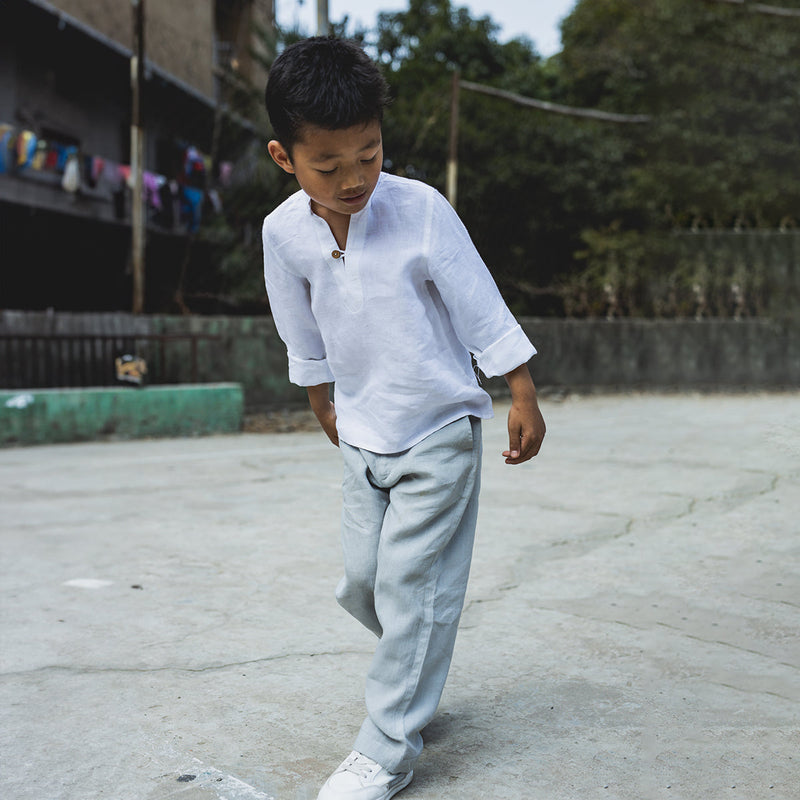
526,426
324,410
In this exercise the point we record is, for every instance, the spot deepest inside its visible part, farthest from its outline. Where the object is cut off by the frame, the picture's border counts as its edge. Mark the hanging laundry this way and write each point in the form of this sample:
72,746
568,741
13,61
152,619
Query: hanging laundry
125,173
6,135
194,168
192,207
63,153
166,211
40,156
88,175
98,168
51,160
71,181
26,147
190,158
152,184
214,199
113,179
177,201
110,176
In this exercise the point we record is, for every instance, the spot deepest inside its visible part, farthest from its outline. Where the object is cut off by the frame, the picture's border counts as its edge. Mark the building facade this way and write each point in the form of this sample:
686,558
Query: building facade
65,137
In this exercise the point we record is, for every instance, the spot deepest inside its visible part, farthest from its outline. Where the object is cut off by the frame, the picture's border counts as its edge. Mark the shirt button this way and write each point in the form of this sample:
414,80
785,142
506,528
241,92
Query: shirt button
337,253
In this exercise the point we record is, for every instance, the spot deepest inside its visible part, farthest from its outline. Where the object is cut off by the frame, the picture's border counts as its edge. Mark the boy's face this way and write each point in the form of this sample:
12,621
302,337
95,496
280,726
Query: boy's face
337,169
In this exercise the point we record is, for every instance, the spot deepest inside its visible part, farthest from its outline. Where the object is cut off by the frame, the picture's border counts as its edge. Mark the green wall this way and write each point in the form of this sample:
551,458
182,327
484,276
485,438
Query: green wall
51,416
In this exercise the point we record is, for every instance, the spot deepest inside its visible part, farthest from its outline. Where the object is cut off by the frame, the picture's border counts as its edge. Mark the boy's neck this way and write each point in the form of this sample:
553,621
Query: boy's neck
338,223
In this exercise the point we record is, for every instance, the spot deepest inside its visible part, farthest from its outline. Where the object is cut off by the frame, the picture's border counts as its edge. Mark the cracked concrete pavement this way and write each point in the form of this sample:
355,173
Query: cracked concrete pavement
631,629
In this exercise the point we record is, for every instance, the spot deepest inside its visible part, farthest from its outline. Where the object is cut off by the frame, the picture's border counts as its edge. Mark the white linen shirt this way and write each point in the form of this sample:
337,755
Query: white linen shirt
393,319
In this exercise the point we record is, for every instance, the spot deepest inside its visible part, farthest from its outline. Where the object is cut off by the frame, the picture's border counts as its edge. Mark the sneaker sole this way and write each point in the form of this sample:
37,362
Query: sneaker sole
400,786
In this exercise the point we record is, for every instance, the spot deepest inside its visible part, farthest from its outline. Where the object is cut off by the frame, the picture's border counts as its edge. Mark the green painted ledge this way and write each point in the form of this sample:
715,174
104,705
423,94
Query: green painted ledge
53,416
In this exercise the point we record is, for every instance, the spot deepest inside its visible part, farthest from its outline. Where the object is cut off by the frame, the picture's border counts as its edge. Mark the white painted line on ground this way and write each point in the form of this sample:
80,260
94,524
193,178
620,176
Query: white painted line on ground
225,786
88,583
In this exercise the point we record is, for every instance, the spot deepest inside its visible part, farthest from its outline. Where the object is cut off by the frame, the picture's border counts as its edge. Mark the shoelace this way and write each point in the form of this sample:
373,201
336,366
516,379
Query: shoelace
359,765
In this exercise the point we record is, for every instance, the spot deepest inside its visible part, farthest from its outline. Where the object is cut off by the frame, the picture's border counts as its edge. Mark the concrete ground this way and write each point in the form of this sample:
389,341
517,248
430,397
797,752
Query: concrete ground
631,630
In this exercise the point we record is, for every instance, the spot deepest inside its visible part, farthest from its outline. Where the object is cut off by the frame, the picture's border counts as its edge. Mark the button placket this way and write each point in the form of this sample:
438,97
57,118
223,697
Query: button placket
344,270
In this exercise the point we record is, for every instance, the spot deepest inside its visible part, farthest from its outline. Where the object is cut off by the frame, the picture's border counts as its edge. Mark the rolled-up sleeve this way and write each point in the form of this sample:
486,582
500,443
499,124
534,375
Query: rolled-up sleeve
290,303
480,316
507,353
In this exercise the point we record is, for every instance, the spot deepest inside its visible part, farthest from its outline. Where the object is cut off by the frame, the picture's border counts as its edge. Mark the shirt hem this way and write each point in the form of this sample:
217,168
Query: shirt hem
385,448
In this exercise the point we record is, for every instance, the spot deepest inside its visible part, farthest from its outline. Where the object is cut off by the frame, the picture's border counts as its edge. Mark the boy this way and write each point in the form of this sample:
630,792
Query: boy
375,285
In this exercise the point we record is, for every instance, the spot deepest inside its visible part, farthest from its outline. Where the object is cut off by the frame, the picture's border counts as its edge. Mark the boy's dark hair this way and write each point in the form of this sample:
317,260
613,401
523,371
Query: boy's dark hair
324,81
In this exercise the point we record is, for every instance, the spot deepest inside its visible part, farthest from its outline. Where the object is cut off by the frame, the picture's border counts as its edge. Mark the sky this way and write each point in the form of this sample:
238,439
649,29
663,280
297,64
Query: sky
536,19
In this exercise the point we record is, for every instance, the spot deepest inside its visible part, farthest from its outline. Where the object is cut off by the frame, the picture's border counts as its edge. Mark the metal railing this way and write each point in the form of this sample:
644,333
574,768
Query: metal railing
38,361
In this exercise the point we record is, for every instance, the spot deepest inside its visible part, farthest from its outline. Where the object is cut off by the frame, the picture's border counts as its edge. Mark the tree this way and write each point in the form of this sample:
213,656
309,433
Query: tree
722,87
528,181
576,215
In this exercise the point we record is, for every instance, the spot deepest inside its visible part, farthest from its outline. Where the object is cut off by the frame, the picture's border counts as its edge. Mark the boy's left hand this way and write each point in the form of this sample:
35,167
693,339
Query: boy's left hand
526,431
526,428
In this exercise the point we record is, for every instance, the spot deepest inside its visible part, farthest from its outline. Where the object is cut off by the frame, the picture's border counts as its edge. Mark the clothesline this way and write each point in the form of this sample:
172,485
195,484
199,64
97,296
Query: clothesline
22,150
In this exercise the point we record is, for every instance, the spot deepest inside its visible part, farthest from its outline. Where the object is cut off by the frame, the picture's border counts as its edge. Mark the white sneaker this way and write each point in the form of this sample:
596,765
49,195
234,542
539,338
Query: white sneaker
360,778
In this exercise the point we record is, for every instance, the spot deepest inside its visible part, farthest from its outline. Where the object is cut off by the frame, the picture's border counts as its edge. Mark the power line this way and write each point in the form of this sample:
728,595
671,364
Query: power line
556,108
761,8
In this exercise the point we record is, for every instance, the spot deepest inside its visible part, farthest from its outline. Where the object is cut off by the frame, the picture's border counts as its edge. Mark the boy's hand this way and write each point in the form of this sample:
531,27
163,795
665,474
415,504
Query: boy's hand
328,422
324,410
526,426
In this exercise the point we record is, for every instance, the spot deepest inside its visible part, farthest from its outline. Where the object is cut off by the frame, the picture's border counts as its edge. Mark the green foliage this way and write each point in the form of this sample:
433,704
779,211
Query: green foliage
524,176
721,82
573,215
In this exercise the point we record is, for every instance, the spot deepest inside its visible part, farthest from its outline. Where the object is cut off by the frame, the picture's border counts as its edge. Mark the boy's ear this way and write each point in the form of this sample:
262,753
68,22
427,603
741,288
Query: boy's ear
280,156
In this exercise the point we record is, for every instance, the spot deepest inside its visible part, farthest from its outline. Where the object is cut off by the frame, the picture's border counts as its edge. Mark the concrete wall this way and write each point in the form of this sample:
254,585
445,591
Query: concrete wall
573,354
665,354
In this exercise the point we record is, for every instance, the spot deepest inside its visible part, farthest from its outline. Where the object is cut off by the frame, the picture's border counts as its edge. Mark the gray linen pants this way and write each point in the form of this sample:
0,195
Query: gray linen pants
408,527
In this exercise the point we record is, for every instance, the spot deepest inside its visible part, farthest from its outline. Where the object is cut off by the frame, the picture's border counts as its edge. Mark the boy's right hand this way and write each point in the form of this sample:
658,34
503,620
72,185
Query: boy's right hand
324,410
328,421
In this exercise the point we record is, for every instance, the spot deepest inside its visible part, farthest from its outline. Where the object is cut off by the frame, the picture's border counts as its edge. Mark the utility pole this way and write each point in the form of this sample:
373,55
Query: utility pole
452,157
137,156
323,23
